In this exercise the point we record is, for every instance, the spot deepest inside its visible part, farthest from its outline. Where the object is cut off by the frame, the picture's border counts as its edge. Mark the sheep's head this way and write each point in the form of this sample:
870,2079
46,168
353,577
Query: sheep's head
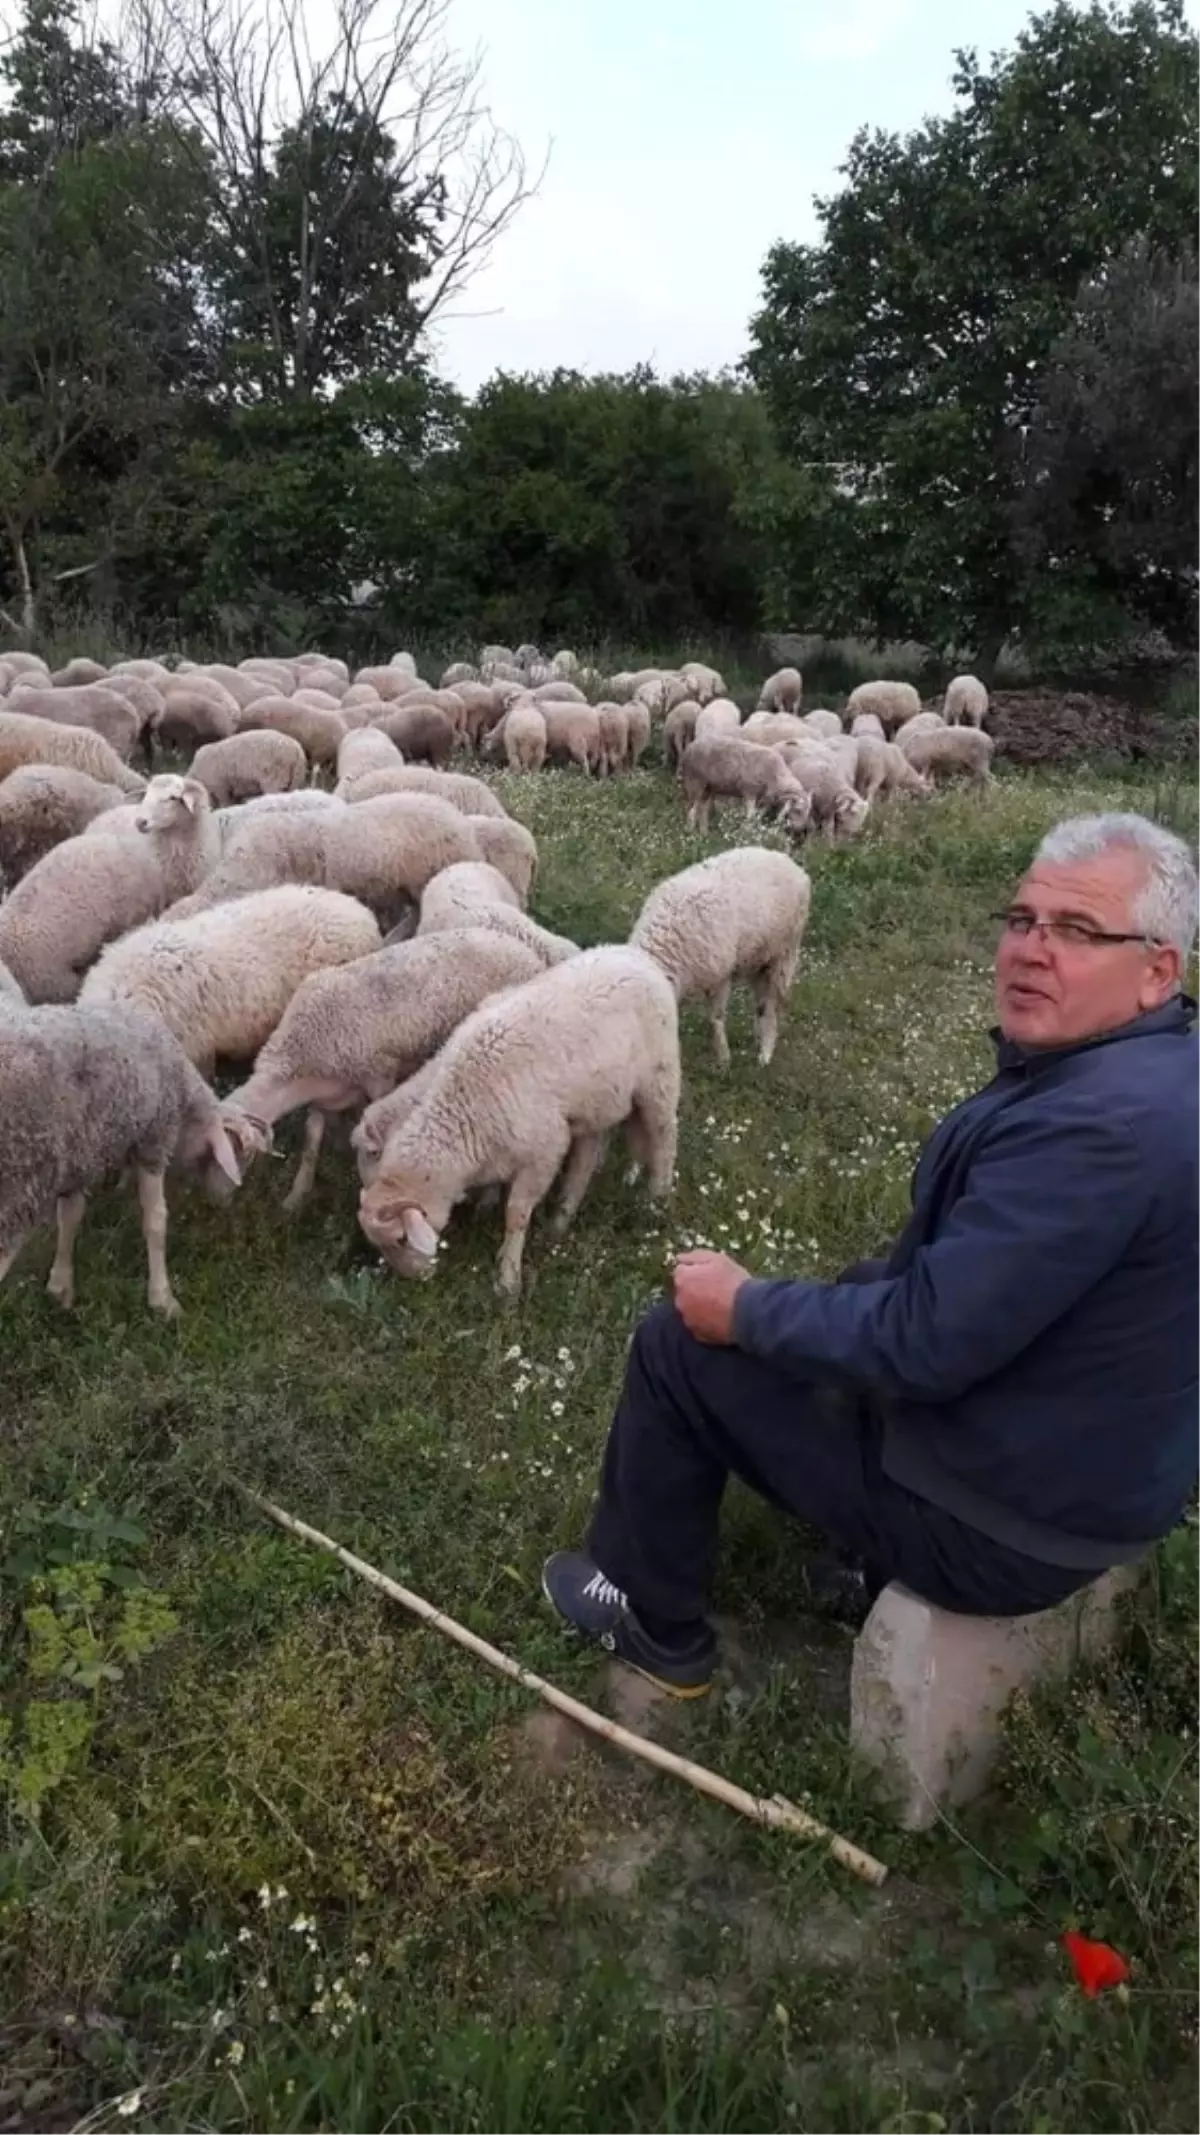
795,806
171,803
404,1220
850,812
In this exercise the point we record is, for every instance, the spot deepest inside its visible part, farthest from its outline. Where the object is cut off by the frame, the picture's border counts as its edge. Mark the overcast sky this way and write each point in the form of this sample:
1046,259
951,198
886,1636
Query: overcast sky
686,136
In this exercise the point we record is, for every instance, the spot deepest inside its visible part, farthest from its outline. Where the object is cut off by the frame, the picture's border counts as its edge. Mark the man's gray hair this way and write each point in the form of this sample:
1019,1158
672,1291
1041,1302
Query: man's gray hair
1165,905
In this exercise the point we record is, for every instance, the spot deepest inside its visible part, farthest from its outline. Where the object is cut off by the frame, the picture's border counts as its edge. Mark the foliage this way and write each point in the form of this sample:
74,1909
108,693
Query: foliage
901,356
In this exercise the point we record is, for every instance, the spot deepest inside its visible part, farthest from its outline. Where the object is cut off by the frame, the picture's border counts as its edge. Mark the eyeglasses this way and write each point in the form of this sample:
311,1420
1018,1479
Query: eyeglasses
1074,932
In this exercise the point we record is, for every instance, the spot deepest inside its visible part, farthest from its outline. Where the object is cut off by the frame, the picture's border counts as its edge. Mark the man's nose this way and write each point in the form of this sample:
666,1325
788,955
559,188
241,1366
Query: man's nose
1034,947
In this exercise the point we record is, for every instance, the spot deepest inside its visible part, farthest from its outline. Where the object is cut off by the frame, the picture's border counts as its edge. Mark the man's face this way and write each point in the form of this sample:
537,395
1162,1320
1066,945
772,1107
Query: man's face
1052,989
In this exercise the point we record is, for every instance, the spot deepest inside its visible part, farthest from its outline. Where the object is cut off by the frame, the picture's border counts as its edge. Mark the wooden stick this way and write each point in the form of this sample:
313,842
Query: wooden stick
777,1811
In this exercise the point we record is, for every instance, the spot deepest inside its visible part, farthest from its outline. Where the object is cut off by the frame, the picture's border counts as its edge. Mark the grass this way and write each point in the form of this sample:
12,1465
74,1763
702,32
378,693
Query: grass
274,1857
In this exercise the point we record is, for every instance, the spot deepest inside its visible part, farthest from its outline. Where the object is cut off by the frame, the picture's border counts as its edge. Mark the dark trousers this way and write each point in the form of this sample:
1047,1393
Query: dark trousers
691,1415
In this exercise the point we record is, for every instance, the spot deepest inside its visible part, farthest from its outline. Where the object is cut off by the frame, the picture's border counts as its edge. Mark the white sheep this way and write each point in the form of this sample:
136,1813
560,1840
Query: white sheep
404,663
473,894
770,728
572,733
422,732
104,711
189,716
837,808
145,1105
244,767
349,1035
956,749
319,732
221,979
554,691
740,915
535,1078
922,723
638,727
40,806
783,691
714,720
825,726
566,664
77,672
524,736
884,768
678,730
965,702
469,795
867,723
41,741
701,683
614,738
742,770
891,702
86,891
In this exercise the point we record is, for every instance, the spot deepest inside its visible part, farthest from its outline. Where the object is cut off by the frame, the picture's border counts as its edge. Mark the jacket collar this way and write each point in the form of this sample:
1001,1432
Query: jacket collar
1176,1016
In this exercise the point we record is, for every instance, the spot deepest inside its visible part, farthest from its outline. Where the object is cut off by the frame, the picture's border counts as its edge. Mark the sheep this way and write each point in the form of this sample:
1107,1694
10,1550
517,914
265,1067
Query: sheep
318,700
421,732
524,736
152,671
783,691
349,1035
389,683
24,740
613,721
556,691
447,701
360,695
566,664
965,701
104,711
404,663
78,671
243,688
144,697
246,766
836,807
469,795
221,979
965,749
318,732
365,749
892,702
743,771
277,674
509,847
717,719
702,683
539,1075
27,663
572,733
85,891
867,723
638,723
40,806
660,693
482,707
922,723
456,894
10,991
679,730
458,671
500,919
770,728
740,915
493,653
528,656
884,768
145,1105
189,717
822,724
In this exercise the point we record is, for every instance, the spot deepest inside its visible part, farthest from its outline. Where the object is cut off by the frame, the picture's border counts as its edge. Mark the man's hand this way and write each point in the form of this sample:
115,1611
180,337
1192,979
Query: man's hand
706,1285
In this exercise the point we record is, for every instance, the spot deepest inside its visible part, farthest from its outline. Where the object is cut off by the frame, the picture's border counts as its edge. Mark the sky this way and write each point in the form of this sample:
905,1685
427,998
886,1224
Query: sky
685,137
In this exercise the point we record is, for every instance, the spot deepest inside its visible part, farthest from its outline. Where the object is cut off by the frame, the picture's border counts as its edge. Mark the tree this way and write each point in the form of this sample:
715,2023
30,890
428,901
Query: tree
1106,514
901,356
359,187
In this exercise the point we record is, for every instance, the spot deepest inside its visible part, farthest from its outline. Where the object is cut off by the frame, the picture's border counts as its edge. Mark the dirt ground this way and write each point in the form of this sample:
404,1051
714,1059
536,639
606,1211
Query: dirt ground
1047,726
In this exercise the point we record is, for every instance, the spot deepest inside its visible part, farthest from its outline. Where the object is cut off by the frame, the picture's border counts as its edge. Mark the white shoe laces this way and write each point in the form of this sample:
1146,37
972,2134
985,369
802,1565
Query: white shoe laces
600,1589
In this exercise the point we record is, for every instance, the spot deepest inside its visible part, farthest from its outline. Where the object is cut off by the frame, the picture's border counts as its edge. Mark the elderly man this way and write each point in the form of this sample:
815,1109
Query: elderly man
1007,1404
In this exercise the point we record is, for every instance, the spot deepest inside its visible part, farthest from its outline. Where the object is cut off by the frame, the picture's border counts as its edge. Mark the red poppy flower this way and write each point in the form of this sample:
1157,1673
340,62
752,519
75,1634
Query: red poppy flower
1097,1964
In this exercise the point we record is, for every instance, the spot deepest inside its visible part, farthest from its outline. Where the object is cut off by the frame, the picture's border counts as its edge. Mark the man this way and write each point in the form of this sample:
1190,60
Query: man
1006,1405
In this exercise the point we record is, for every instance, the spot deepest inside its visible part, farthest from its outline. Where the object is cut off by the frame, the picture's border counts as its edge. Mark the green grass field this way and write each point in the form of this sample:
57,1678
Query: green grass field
273,1856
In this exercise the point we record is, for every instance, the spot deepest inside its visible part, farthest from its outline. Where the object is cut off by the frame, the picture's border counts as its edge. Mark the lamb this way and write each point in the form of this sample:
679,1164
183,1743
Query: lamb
524,736
965,702
884,768
422,733
891,702
318,732
823,725
719,718
964,749
739,915
836,807
679,730
613,721
146,1106
741,770
24,740
40,806
220,980
103,710
782,691
349,1035
469,795
539,1075
89,889
867,723
246,766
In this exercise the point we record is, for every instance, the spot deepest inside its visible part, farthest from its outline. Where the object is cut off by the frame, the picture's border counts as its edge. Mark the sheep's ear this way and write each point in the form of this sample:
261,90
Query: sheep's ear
222,1150
190,792
419,1232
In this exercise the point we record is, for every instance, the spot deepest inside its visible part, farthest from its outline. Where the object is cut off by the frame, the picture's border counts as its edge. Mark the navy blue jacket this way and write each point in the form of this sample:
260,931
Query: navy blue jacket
1031,1341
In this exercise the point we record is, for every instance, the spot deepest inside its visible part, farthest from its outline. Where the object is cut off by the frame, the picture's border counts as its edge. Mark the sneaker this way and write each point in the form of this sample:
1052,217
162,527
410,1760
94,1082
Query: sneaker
598,1610
839,1592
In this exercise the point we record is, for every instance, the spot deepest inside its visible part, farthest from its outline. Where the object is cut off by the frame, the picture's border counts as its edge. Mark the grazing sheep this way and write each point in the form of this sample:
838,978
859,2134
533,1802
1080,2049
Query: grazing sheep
922,723
469,795
483,706
572,733
318,700
508,846
91,888
221,979
189,717
524,736
361,696
965,702
566,664
739,915
144,698
528,656
78,672
404,663
104,711
557,692
365,749
836,807
614,738
964,750
349,1035
638,718
770,728
421,732
504,919
42,741
701,683
891,702
884,768
10,991
277,675
458,893
822,724
319,733
42,805
27,663
458,671
783,691
741,770
717,719
867,723
146,1106
536,1077
152,671
679,730
246,766
389,683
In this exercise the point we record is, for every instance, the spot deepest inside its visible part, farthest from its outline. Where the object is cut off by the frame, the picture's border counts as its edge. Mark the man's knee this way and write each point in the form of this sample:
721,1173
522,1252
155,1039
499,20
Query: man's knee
658,1339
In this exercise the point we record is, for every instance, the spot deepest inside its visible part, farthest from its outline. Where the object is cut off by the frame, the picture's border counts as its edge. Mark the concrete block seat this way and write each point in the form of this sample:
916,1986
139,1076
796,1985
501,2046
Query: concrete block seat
927,1688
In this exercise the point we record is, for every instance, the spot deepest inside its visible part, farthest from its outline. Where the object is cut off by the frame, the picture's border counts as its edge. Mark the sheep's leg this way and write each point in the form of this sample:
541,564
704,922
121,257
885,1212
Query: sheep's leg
61,1280
152,1200
306,1170
8,1256
529,1186
750,807
768,990
657,1132
582,1164
718,1008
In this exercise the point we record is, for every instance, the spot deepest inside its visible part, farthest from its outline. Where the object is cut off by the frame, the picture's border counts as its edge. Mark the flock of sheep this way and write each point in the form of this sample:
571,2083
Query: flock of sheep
367,948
